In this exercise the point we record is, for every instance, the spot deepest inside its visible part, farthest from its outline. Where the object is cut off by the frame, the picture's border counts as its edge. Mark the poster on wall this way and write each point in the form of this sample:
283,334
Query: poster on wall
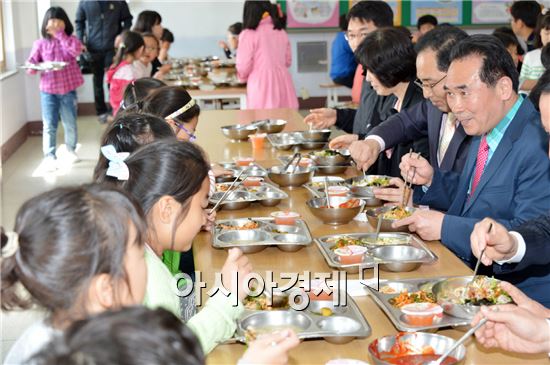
395,7
446,11
312,14
490,12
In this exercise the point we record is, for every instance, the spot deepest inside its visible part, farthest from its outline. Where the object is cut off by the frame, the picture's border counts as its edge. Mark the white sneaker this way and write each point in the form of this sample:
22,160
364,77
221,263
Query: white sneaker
49,164
70,157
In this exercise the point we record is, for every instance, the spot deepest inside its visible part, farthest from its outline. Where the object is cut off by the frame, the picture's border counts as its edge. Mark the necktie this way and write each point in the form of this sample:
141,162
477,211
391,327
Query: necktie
482,155
446,136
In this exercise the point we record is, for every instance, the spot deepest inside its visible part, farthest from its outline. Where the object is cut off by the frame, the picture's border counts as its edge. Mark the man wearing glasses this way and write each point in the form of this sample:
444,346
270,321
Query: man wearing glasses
363,18
447,140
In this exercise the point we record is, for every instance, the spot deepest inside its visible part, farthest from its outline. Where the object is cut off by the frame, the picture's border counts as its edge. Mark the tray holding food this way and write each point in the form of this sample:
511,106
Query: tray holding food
255,234
423,304
396,252
325,161
251,169
310,139
244,194
45,66
320,319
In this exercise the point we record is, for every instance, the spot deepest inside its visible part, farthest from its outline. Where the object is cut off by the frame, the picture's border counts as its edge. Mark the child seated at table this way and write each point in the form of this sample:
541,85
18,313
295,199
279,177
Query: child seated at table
142,336
150,54
170,181
123,70
136,91
76,251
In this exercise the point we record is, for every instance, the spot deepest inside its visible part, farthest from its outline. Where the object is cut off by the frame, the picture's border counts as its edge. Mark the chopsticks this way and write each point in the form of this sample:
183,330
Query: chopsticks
480,256
409,182
224,196
296,155
326,192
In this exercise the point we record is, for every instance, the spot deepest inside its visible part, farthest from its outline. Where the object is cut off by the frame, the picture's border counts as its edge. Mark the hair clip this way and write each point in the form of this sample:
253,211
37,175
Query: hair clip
12,246
117,167
181,110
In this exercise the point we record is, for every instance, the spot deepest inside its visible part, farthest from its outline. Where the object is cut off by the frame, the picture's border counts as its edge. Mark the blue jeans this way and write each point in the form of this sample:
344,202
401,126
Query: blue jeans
53,107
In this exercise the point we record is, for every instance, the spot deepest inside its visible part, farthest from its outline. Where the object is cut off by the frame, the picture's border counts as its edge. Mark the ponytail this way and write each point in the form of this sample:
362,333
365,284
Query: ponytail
130,43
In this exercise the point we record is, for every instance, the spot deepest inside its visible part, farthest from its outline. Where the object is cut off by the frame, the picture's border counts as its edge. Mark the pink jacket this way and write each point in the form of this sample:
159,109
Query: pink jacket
263,59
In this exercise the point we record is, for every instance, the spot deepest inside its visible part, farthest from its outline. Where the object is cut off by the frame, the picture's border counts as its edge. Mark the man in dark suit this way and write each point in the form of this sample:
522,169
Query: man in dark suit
507,172
448,143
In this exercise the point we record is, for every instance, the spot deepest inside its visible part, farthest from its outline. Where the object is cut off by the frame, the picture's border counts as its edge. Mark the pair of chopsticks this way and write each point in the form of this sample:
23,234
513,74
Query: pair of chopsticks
409,182
233,186
480,256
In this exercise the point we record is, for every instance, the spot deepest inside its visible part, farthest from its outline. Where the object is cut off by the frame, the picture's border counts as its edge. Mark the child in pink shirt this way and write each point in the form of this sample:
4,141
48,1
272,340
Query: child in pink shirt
123,70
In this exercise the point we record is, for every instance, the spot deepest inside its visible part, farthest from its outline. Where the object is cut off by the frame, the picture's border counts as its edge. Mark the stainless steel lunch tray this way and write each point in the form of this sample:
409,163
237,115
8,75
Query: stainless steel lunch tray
252,170
369,260
285,237
323,169
318,190
241,197
397,317
287,140
344,325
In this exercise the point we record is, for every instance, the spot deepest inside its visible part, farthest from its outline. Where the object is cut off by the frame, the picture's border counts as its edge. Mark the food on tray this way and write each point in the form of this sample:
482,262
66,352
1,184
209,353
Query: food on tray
352,203
326,312
379,181
351,254
396,213
407,298
343,241
222,187
260,303
326,153
404,352
386,289
422,314
248,225
482,291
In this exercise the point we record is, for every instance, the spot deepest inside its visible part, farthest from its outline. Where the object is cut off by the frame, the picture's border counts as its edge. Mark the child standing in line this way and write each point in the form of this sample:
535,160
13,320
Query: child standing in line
123,71
58,87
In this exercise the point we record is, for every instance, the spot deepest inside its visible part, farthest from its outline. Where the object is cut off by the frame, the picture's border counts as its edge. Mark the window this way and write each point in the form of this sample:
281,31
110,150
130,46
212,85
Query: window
2,53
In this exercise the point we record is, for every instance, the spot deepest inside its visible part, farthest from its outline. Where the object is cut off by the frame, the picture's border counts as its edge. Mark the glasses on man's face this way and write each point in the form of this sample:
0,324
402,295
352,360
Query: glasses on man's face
151,48
191,135
353,36
422,85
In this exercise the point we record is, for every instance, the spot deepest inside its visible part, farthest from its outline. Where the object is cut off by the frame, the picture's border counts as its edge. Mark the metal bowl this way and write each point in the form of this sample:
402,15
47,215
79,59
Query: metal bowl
332,169
270,321
284,141
249,241
466,311
363,190
238,132
333,215
282,178
316,135
399,258
418,340
270,198
271,125
312,145
234,200
339,159
372,217
340,325
291,242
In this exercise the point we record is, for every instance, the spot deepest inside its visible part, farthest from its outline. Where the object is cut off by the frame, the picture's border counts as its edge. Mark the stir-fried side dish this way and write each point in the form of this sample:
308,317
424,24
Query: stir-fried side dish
261,303
407,298
379,181
222,187
483,291
248,225
396,213
343,241
386,289
406,352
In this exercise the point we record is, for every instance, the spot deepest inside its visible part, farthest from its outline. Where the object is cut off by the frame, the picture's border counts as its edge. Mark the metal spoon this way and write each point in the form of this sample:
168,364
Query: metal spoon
457,343
224,196
378,226
480,256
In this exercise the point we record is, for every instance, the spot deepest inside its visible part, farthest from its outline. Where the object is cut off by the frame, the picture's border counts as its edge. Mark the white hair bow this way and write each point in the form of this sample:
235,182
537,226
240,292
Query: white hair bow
12,246
117,167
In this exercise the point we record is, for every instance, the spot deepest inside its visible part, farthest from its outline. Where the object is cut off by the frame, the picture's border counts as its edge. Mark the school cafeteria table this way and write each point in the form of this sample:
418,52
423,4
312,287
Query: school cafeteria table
208,260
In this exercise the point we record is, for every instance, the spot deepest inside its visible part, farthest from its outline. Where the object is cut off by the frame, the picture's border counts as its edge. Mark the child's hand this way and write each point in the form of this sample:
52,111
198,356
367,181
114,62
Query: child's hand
236,262
271,349
210,219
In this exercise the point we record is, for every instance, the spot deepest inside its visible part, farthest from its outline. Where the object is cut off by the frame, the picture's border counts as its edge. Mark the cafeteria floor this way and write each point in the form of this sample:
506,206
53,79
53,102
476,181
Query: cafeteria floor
23,178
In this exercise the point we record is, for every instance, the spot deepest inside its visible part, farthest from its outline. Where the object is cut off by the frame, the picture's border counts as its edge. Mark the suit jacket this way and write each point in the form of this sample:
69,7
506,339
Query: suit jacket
513,188
420,120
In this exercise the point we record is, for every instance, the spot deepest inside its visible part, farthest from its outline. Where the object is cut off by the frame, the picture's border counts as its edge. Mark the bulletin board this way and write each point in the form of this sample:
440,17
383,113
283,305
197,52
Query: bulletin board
323,14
